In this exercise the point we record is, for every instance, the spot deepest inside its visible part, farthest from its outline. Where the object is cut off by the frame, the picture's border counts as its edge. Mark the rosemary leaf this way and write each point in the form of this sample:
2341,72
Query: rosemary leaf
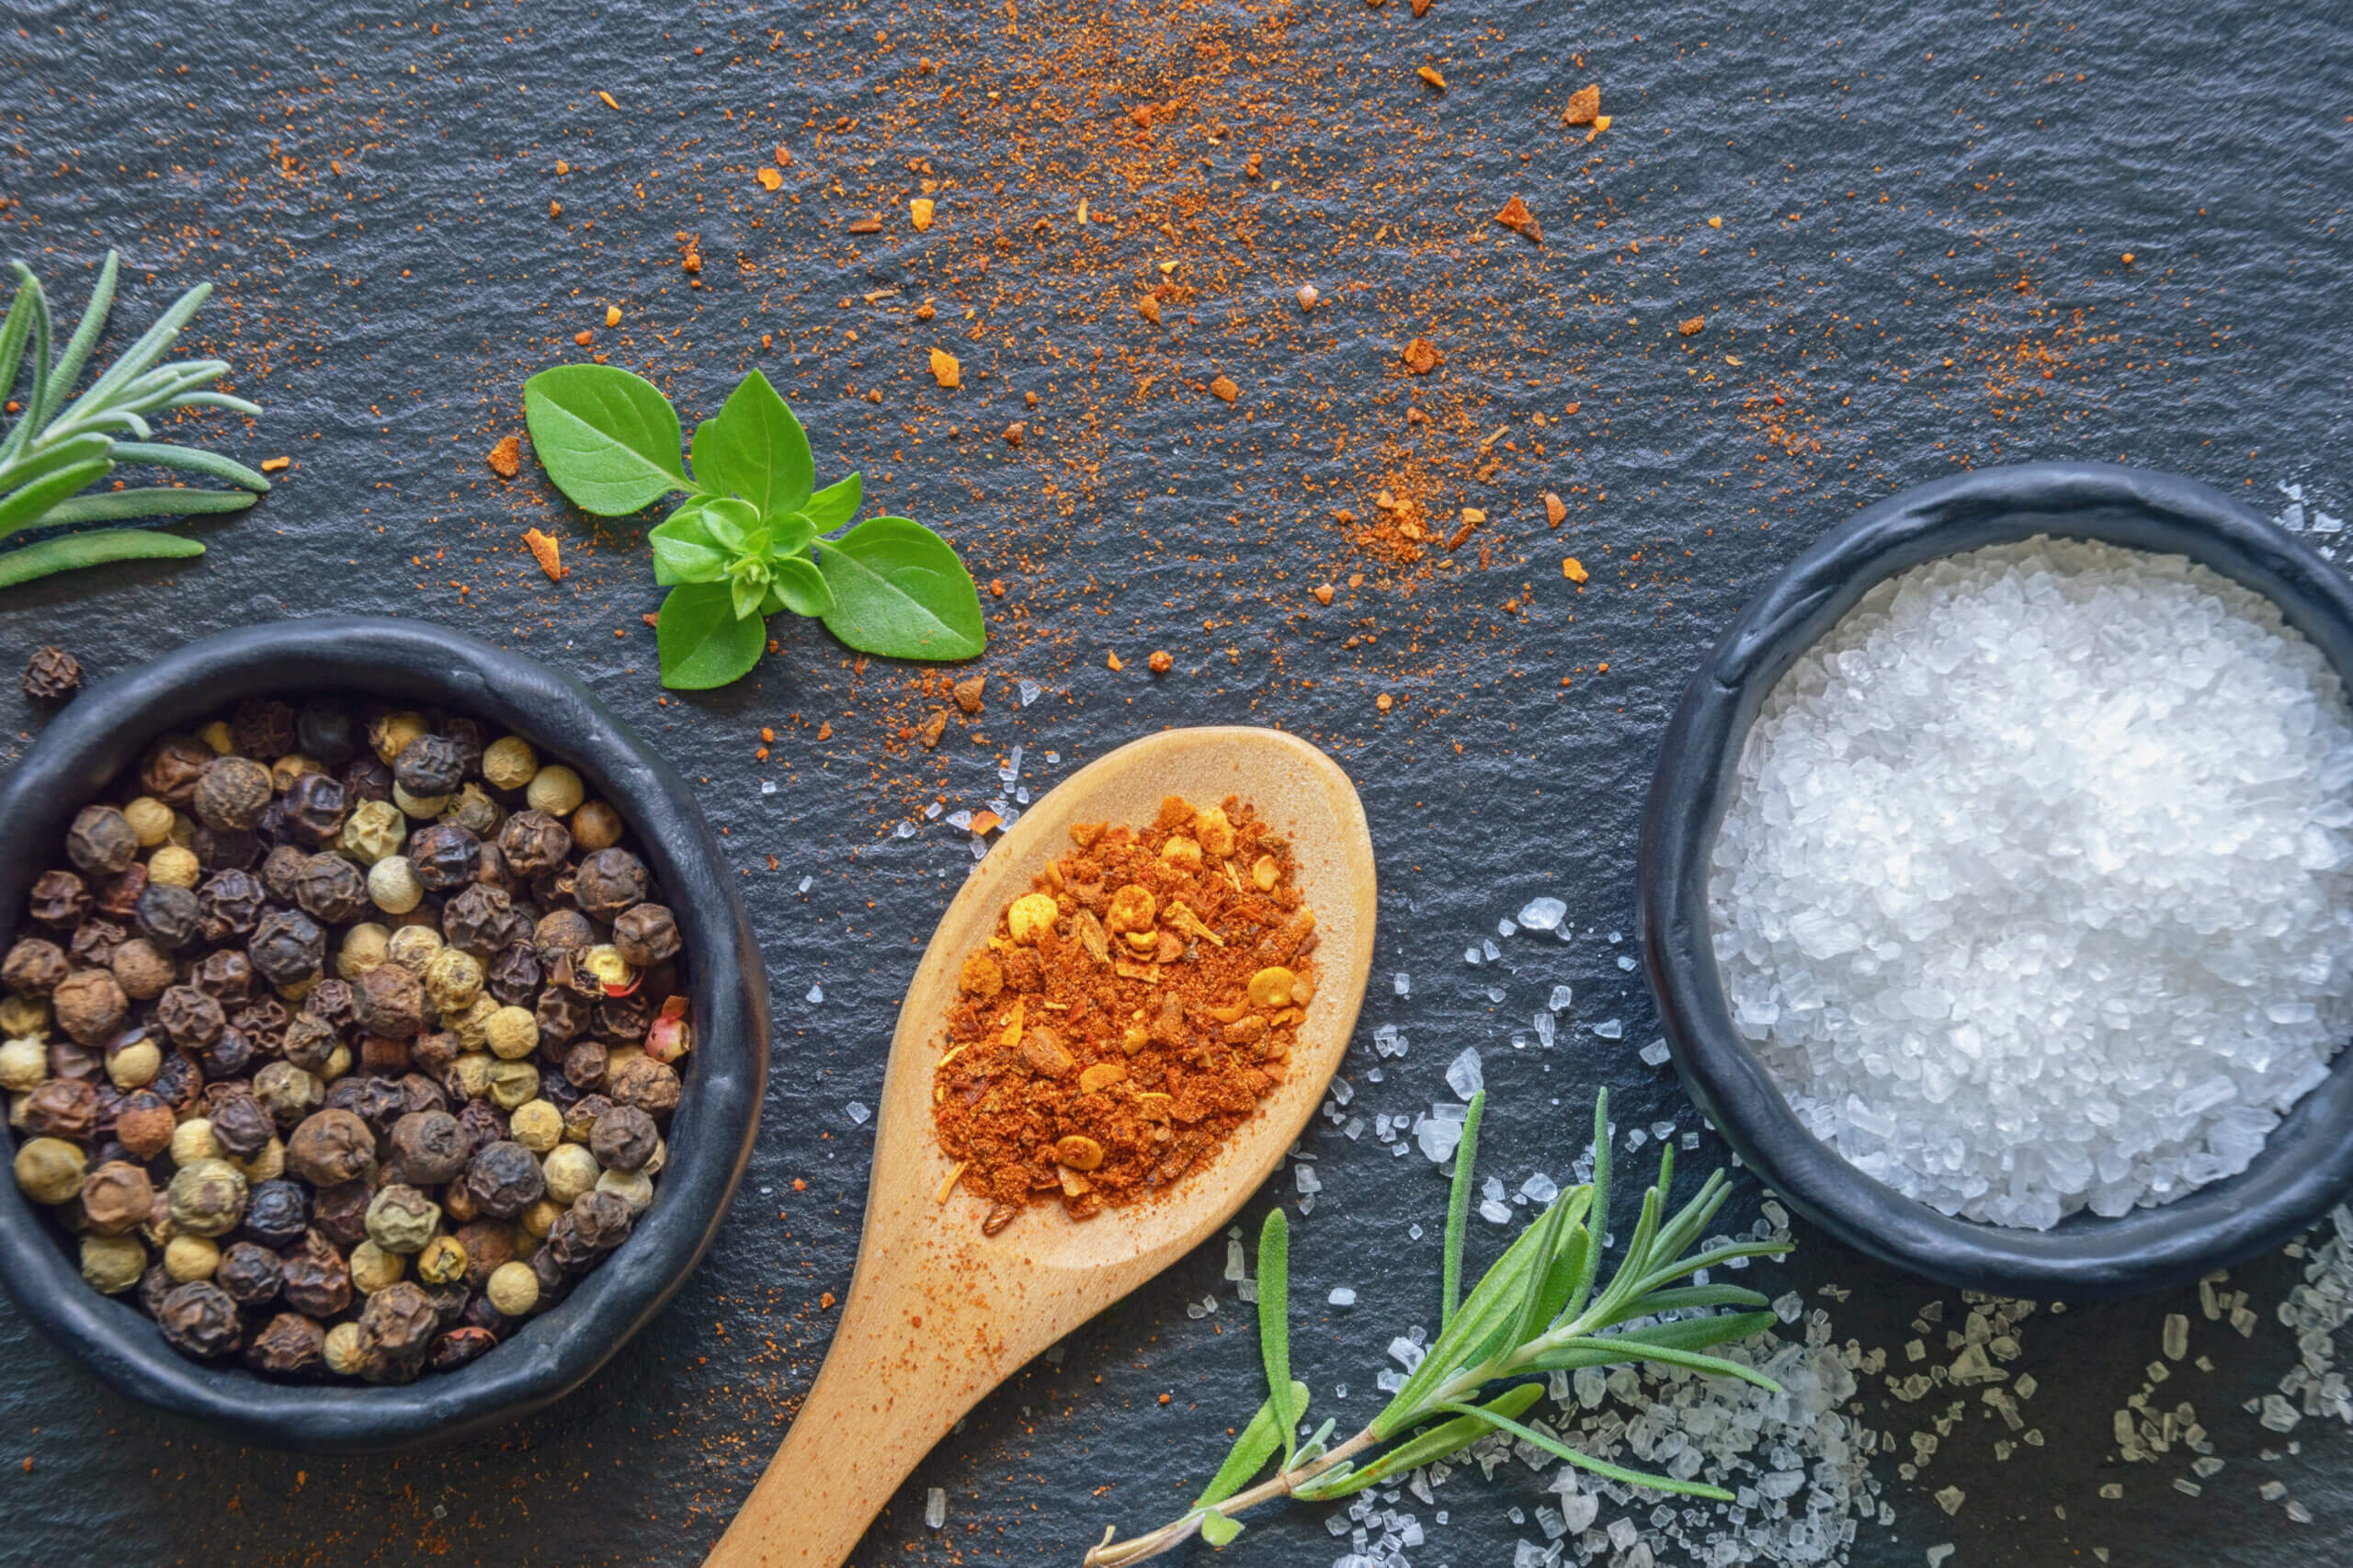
108,505
1458,1207
1274,1326
1637,1344
1423,1448
1217,1530
164,455
1250,1451
75,551
30,503
94,322
1587,1462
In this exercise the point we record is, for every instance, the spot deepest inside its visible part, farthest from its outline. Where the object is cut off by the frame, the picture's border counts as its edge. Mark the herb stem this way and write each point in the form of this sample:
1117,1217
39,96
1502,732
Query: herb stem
1168,1537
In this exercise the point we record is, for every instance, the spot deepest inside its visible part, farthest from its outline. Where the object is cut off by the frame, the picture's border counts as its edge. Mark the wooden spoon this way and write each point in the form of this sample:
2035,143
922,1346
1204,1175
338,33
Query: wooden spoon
937,1314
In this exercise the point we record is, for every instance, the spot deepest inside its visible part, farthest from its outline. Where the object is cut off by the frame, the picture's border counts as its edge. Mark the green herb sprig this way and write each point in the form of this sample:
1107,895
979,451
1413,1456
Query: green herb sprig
57,448
738,550
1542,1308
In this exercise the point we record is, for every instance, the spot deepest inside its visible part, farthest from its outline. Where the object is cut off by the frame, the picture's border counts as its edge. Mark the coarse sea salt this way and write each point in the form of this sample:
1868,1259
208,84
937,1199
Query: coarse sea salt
2033,895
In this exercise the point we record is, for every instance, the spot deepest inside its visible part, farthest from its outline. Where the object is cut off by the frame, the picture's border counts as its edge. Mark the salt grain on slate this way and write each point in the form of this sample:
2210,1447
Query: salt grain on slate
856,1113
2143,966
1543,914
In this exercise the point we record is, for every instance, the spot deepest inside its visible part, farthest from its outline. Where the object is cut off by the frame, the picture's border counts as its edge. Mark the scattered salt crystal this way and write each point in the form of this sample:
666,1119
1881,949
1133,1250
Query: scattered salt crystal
816,994
931,812
1543,914
905,830
1506,928
1406,1353
1626,961
1472,956
1487,946
856,1113
1306,1179
1463,1075
1414,1233
1544,1022
1030,691
2298,1512
1789,1308
1609,1028
1655,1053
1342,1296
960,819
1950,1499
1560,999
1540,1188
1235,1267
2177,1337
1493,1213
1936,1554
935,1508
767,786
807,883
1402,983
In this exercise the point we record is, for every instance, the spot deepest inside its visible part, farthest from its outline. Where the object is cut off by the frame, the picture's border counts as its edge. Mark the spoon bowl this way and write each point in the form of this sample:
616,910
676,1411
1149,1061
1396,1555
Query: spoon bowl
938,1314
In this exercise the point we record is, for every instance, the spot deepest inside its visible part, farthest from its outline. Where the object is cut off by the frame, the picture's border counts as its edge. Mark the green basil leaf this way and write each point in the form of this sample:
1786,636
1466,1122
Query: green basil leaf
730,525
790,535
1217,1530
899,591
683,550
754,448
835,505
797,582
703,642
610,439
749,590
773,604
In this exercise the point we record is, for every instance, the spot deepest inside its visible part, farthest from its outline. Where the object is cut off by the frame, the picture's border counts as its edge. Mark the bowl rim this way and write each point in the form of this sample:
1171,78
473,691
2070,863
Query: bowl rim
2307,1163
110,724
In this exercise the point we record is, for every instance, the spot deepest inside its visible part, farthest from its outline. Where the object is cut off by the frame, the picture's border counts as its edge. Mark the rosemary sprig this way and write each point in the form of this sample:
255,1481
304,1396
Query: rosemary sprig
57,448
1536,1311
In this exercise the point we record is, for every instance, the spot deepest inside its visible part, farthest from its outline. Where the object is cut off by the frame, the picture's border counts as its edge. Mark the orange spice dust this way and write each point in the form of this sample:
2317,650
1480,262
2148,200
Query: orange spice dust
1130,1012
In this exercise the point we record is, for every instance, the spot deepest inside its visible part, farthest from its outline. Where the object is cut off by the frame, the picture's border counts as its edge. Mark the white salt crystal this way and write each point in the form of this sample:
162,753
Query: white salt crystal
1540,1188
1306,1179
1560,999
1472,954
1655,1053
1609,1028
935,1506
767,786
1463,1075
1402,983
1030,691
816,994
1543,914
1494,1213
1543,1021
1406,1353
1342,1296
2029,893
1235,1268
807,883
1487,946
856,1113
1506,928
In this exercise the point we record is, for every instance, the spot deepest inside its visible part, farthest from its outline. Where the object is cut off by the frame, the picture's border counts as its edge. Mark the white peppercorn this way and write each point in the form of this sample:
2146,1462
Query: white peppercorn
508,763
363,948
374,830
413,947
341,1352
513,1288
423,807
513,1084
112,1265
192,1143
190,1258
49,1170
511,1032
173,866
392,886
400,1219
136,1064
206,1198
555,790
150,819
391,734
537,1125
374,1268
453,980
24,1061
632,1185
571,1170
470,1075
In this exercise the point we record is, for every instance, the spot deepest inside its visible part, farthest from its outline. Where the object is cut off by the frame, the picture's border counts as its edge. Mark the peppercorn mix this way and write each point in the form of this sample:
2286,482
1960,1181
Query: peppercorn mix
347,1041
1131,1010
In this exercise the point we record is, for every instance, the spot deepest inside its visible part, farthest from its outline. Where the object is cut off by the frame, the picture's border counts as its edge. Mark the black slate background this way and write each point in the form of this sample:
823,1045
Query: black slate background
368,186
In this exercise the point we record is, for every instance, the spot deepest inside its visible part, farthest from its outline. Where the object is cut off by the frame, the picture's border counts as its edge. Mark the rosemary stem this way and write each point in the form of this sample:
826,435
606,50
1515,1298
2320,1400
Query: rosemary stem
1168,1537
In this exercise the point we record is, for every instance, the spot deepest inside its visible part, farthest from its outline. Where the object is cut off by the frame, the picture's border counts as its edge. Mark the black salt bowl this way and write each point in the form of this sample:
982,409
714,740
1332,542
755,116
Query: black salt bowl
106,729
2307,1163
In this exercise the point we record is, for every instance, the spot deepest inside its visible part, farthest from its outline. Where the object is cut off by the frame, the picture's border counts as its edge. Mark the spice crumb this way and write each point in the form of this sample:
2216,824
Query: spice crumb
1383,702
1324,593
1431,73
1113,661
1520,221
1160,662
1690,326
1573,569
946,369
1422,355
276,465
1583,104
1226,389
1555,511
506,458
546,552
919,212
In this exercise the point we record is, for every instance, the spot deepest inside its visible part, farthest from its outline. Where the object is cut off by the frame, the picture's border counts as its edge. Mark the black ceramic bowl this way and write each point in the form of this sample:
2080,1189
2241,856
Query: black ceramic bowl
2306,1166
107,727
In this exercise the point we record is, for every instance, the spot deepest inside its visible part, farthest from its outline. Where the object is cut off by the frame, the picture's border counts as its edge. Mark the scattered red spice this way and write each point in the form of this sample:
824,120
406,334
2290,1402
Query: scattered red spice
506,458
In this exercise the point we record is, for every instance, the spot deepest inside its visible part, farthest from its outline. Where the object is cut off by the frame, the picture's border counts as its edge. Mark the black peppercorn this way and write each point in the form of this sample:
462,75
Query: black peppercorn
389,1001
429,766
647,935
177,1081
251,1274
168,916
232,794
458,1346
483,1125
271,831
559,1088
555,1280
562,932
623,1139
610,881
277,1213
58,898
290,1344
513,976
585,1062
118,895
534,843
286,947
561,1013
89,1004
365,778
240,1125
193,1019
331,1147
429,1148
396,1327
217,848
92,943
316,806
555,889
445,856
101,842
420,1093
488,1244
231,1056
33,967
622,1020
448,1302
650,1085
173,766
324,731
316,1280
261,1020
333,1003
503,1180
471,738
331,888
262,726
480,920
51,677
199,1319
153,1286
309,1044
229,904
278,871
480,1314
340,1213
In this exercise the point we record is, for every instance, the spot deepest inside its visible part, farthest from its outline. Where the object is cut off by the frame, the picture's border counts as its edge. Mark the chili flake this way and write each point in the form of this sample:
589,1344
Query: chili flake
944,366
1520,221
546,552
506,458
1584,103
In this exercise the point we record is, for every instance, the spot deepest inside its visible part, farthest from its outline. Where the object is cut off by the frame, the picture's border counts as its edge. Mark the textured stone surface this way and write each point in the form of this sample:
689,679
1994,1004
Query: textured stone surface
1919,269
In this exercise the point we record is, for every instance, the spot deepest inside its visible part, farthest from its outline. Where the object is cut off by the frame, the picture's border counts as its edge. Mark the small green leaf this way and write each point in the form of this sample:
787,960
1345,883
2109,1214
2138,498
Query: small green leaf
730,525
799,587
790,535
899,591
1250,1453
29,504
748,591
1274,1324
754,448
703,642
1458,1207
76,550
834,505
607,438
683,550
1217,1530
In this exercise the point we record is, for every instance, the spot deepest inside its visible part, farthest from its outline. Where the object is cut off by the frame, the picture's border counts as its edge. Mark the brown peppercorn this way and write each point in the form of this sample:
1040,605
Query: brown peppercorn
116,1198
504,1179
331,888
379,1102
252,1275
340,1213
144,1124
533,844
288,948
51,677
172,768
429,766
240,1125
595,1224
396,1328
389,1001
232,793
384,1057
263,726
92,943
222,848
429,1148
580,1119
277,870
58,898
623,1139
33,967
610,881
277,1213
315,1279
651,1086
61,1108
89,1004
460,1346
561,1013
225,975
193,1019
622,1020
167,915
101,843
229,904
142,972
488,1244
647,935
431,1054
562,932
585,1061
331,1147
513,977
482,920
333,1003
261,1020
316,808
444,856
289,1345
119,895
199,1319
288,1093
